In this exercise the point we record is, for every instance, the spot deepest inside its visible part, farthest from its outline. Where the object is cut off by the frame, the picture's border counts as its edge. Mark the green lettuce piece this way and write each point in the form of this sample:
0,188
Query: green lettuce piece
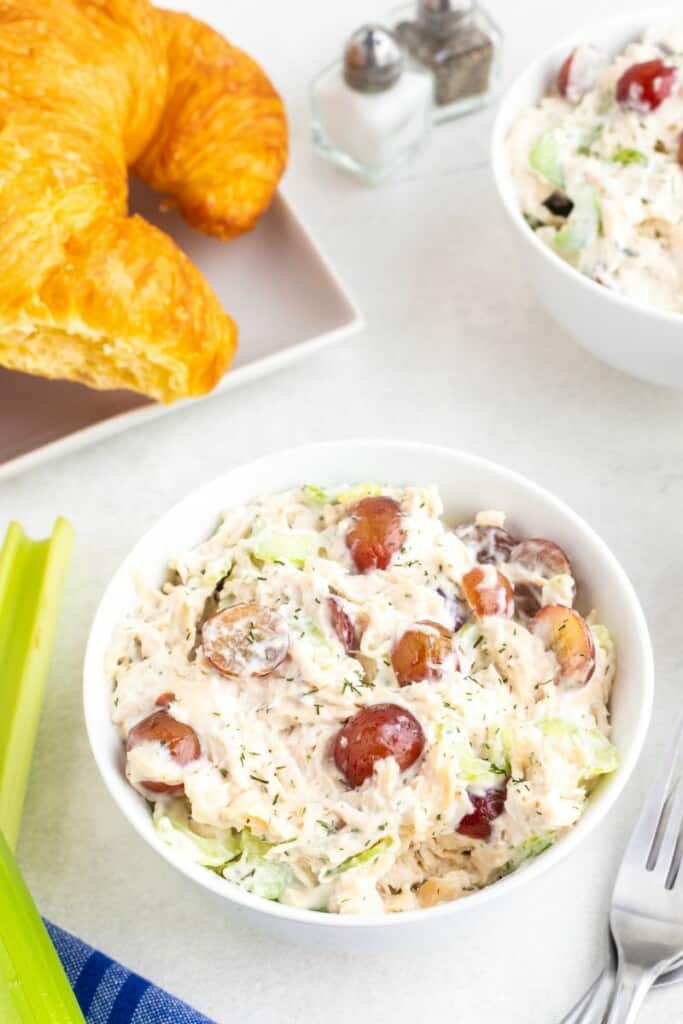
526,850
601,757
365,856
347,495
628,156
583,224
544,158
295,546
316,494
172,824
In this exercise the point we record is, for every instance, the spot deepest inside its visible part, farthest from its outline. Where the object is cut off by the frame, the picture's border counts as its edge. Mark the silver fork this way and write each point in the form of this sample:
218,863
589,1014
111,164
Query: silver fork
647,903
591,1007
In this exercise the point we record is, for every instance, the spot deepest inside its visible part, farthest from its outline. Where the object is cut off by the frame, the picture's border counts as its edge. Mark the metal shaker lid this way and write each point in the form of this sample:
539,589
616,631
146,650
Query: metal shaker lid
372,59
442,17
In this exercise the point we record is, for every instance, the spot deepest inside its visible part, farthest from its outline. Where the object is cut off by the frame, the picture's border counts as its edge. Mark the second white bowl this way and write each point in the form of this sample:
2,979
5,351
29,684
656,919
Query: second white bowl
641,340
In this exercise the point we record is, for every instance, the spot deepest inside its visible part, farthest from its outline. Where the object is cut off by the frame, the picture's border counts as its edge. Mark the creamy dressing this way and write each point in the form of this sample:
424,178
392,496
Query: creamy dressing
266,769
621,161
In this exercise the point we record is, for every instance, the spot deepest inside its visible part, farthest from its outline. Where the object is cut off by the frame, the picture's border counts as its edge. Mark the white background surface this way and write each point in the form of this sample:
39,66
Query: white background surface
457,352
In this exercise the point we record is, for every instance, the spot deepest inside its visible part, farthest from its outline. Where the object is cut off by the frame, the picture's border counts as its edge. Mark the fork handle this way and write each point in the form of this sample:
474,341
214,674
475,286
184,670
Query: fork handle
632,985
591,1007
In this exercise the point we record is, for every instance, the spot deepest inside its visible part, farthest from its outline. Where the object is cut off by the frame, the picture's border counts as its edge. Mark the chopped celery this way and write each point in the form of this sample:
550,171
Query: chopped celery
544,158
365,856
293,546
628,156
252,845
32,577
588,137
322,651
172,823
603,637
238,856
604,756
531,847
344,496
33,986
259,876
471,644
600,757
583,223
347,495
469,636
498,748
477,772
316,494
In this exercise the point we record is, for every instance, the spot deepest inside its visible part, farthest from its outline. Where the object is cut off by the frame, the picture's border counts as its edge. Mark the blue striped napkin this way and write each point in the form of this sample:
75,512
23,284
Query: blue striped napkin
110,994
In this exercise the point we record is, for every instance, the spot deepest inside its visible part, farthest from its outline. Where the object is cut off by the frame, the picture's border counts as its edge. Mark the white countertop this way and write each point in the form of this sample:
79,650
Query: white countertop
456,351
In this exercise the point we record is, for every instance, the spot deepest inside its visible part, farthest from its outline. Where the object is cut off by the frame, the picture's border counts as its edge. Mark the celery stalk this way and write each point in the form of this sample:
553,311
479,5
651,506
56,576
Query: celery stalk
33,985
31,580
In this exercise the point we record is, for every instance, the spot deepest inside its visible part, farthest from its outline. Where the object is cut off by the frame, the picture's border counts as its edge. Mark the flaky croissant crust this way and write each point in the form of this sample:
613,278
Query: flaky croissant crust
89,89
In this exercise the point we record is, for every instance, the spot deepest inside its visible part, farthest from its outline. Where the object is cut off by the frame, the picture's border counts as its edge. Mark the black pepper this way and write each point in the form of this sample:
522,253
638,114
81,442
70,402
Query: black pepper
457,42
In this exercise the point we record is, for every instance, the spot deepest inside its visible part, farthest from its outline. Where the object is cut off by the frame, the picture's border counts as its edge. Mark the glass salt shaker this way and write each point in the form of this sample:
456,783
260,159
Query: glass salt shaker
458,42
370,111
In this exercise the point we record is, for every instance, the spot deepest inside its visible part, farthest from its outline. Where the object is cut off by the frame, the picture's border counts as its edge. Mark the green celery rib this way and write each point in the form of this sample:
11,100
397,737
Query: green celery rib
32,577
33,986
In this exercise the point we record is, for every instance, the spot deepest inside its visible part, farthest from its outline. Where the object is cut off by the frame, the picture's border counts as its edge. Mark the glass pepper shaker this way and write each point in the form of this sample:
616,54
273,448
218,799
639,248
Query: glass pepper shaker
460,44
370,111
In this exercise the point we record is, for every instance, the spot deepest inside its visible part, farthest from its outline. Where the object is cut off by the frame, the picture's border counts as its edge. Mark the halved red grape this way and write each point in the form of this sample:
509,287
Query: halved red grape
376,732
488,544
245,640
643,87
579,72
563,74
421,652
376,534
342,625
565,633
180,740
488,592
541,557
486,807
458,610
528,599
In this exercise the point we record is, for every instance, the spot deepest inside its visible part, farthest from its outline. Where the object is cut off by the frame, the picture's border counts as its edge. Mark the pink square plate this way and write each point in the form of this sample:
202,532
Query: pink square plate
275,282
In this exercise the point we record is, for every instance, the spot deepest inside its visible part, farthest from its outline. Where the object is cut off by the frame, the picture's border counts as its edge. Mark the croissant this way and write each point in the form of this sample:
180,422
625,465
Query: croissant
88,90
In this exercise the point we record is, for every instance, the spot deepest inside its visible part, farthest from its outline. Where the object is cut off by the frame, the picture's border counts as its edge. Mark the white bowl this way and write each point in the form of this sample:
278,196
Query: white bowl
467,484
639,339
